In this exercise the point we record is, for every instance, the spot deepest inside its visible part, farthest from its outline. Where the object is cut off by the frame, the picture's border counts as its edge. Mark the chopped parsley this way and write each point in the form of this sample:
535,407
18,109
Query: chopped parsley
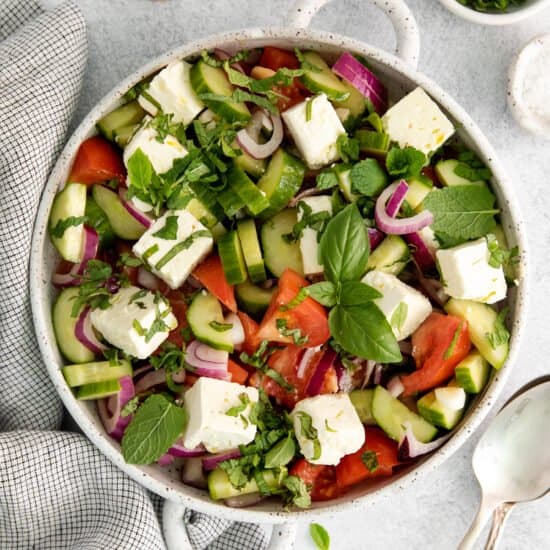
370,460
170,229
500,334
309,431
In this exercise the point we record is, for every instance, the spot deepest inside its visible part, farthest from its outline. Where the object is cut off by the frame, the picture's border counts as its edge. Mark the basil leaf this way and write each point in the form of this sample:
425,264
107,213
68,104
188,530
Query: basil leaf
319,536
170,229
153,430
58,230
323,292
281,453
344,246
399,316
354,293
367,178
140,170
364,331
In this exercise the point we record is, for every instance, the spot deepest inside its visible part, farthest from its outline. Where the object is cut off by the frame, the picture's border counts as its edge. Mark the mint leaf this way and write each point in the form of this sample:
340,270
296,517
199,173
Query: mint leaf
140,170
363,330
461,213
153,430
327,179
368,178
405,162
319,536
356,293
344,246
281,453
348,148
170,229
323,292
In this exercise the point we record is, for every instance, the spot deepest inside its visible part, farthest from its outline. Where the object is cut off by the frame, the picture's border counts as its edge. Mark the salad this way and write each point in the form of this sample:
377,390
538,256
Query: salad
277,278
491,5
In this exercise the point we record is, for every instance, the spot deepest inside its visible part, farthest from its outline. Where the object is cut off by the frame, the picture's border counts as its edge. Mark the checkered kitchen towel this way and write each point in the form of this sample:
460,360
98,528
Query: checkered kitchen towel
56,489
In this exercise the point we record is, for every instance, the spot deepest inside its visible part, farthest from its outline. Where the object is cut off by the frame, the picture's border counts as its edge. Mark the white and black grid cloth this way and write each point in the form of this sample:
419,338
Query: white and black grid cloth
56,490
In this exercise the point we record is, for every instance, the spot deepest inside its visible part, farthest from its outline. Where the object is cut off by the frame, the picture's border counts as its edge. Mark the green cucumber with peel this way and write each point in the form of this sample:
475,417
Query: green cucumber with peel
445,171
220,487
250,244
390,256
362,401
95,372
253,198
98,390
231,256
323,80
472,373
253,299
127,115
435,412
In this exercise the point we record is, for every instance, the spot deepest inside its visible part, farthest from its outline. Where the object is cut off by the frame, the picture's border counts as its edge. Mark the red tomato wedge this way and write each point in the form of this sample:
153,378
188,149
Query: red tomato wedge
352,469
211,275
179,309
97,160
321,479
309,317
250,327
438,345
238,373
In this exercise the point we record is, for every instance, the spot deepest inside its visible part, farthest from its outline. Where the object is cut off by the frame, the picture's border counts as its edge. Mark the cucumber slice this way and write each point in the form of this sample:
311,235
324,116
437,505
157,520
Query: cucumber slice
64,325
99,221
254,200
436,413
253,299
419,187
69,203
213,80
231,255
209,198
204,309
220,487
92,373
282,180
124,134
481,320
323,80
230,201
128,115
123,223
390,256
252,166
278,253
510,268
218,231
98,390
472,373
373,143
390,414
445,171
250,245
355,102
342,172
362,401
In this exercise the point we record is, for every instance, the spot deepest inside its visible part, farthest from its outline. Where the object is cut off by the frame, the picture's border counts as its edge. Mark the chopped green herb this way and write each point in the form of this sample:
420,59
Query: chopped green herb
213,61
316,221
238,409
309,431
368,178
309,108
450,350
405,162
259,360
326,179
130,407
126,258
296,301
58,230
150,251
220,327
181,246
500,334
327,427
281,453
298,492
295,333
170,229
348,148
319,536
399,316
370,460
500,256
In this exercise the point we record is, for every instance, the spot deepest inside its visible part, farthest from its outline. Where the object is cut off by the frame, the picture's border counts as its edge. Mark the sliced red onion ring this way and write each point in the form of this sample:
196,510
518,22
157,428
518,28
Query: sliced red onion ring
222,55
316,381
375,237
207,361
109,408
192,473
345,379
84,331
398,226
311,192
211,462
421,253
89,252
150,380
136,213
395,387
410,447
251,145
165,460
304,361
352,70
397,198
378,371
237,330
147,280
242,501
177,449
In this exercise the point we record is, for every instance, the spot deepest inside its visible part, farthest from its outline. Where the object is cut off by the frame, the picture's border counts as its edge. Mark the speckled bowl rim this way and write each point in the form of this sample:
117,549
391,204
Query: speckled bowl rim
41,305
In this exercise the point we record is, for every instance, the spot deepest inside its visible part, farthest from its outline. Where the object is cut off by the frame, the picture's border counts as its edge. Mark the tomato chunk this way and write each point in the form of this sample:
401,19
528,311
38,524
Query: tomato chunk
321,479
250,327
381,456
97,160
309,317
438,345
179,309
238,373
211,275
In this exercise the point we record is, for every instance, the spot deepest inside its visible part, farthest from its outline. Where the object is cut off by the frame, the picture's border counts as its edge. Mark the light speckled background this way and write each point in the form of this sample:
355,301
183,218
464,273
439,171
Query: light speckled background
471,63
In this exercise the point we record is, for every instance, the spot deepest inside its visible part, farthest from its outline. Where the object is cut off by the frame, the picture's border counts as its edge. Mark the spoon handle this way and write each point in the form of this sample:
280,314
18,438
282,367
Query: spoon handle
484,512
499,517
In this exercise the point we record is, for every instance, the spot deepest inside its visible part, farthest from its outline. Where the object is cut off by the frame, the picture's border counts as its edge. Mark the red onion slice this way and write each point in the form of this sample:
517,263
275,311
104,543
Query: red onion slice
178,449
378,371
397,198
237,330
192,473
147,280
375,237
352,70
410,447
85,334
150,380
109,408
137,214
222,55
207,361
304,361
261,150
421,253
316,381
165,460
401,226
395,387
311,192
211,462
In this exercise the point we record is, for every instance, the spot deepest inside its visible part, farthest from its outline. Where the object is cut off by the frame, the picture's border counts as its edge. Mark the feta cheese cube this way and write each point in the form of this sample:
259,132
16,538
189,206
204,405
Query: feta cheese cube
467,275
127,322
418,122
172,90
161,154
429,238
403,306
207,404
315,138
339,430
173,259
309,247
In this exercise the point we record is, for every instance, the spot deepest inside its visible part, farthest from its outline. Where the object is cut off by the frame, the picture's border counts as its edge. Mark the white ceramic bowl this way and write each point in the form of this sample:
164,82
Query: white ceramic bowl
400,77
514,14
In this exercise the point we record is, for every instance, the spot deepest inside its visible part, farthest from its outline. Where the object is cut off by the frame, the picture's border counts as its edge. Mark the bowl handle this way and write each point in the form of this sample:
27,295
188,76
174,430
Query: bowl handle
404,24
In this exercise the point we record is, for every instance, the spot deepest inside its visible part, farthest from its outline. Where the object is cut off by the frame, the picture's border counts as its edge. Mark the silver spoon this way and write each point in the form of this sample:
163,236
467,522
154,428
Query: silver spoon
512,460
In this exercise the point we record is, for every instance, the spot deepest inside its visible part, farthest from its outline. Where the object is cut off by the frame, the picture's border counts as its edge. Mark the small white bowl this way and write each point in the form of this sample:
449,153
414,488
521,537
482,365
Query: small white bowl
522,107
510,16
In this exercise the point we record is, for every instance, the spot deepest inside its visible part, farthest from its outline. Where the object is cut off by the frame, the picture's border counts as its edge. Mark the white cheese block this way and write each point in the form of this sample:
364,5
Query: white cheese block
309,246
339,429
467,275
152,248
126,322
418,122
162,154
429,238
207,404
403,306
451,397
315,138
172,90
